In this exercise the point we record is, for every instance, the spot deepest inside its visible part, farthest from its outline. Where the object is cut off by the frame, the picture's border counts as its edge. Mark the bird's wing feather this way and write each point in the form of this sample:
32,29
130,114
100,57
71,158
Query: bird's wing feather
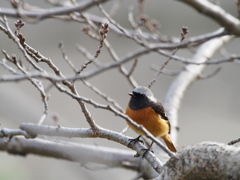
159,109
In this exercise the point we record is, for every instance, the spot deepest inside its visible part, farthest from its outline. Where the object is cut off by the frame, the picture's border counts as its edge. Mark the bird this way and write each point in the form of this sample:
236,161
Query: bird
146,110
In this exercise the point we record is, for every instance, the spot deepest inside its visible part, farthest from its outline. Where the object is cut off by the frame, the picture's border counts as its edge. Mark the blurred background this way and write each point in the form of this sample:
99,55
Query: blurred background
209,110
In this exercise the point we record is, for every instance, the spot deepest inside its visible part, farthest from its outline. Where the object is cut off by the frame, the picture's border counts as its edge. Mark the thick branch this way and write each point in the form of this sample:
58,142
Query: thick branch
207,160
190,73
217,161
82,153
34,129
223,18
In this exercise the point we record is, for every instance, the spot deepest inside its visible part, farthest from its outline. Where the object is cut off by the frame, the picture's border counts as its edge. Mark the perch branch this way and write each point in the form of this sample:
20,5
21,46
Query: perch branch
70,151
88,133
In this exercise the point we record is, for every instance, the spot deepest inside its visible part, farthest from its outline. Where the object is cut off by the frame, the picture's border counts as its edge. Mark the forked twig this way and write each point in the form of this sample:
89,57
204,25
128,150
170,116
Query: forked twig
183,34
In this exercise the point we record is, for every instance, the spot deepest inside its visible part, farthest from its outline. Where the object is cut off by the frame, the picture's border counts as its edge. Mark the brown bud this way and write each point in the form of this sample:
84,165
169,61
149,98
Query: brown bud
101,33
185,30
106,25
19,23
86,29
14,58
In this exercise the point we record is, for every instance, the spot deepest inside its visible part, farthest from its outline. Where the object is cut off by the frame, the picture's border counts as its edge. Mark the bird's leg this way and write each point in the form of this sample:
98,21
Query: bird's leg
147,150
137,139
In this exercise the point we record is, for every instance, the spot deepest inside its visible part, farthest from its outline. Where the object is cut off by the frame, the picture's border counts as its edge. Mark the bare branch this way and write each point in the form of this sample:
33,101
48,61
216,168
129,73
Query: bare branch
234,141
202,158
38,57
238,8
112,21
188,76
133,67
215,12
165,71
39,15
116,6
96,128
183,34
35,82
9,68
113,53
183,166
210,75
65,57
20,77
6,29
88,55
188,163
83,133
14,132
82,153
103,34
104,96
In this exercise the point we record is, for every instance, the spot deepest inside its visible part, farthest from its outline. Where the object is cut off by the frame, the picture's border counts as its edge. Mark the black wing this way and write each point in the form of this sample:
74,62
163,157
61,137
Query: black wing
159,109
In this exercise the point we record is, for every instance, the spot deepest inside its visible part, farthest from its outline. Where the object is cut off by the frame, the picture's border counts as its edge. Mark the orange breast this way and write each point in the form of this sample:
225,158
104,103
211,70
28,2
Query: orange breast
148,118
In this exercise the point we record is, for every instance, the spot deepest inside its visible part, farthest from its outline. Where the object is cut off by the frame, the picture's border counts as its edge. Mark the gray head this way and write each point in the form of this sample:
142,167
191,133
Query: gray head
145,92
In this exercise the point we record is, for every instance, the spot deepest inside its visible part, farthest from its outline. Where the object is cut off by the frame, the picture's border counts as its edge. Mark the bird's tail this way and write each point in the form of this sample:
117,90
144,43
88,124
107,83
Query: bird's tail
169,143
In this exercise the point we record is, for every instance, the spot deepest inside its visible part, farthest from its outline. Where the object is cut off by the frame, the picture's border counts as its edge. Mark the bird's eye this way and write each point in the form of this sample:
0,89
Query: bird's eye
138,95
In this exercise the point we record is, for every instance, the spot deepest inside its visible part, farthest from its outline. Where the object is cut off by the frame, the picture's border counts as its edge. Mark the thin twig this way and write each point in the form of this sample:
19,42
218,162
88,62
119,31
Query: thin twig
216,71
35,82
143,18
113,21
234,141
46,13
107,98
238,8
165,71
50,77
38,57
116,6
103,34
183,34
6,29
104,96
9,68
65,57
88,55
133,67
110,50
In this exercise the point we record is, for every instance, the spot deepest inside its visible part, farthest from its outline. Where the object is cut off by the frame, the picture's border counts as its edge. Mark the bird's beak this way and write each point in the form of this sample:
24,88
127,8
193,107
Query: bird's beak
130,94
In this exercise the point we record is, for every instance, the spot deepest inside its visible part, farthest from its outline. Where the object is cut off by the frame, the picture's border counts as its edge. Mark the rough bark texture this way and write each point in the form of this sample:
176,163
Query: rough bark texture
207,160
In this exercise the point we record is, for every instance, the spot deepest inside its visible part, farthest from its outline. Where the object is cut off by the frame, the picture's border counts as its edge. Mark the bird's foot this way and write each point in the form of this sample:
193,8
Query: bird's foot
146,150
135,140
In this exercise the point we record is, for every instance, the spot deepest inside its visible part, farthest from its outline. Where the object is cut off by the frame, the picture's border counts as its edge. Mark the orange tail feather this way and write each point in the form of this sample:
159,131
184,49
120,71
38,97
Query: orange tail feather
169,143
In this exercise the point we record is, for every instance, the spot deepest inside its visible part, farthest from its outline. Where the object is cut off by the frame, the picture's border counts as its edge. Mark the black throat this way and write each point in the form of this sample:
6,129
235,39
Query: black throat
139,101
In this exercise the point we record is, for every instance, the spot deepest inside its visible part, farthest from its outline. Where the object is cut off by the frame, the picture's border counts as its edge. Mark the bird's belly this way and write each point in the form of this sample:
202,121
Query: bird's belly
148,118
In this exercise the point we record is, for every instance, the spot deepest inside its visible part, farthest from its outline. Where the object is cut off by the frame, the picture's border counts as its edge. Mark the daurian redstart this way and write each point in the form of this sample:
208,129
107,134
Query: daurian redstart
146,110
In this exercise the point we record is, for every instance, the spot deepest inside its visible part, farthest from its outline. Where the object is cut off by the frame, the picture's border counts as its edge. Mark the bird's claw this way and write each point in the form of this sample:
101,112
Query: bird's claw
135,140
146,150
